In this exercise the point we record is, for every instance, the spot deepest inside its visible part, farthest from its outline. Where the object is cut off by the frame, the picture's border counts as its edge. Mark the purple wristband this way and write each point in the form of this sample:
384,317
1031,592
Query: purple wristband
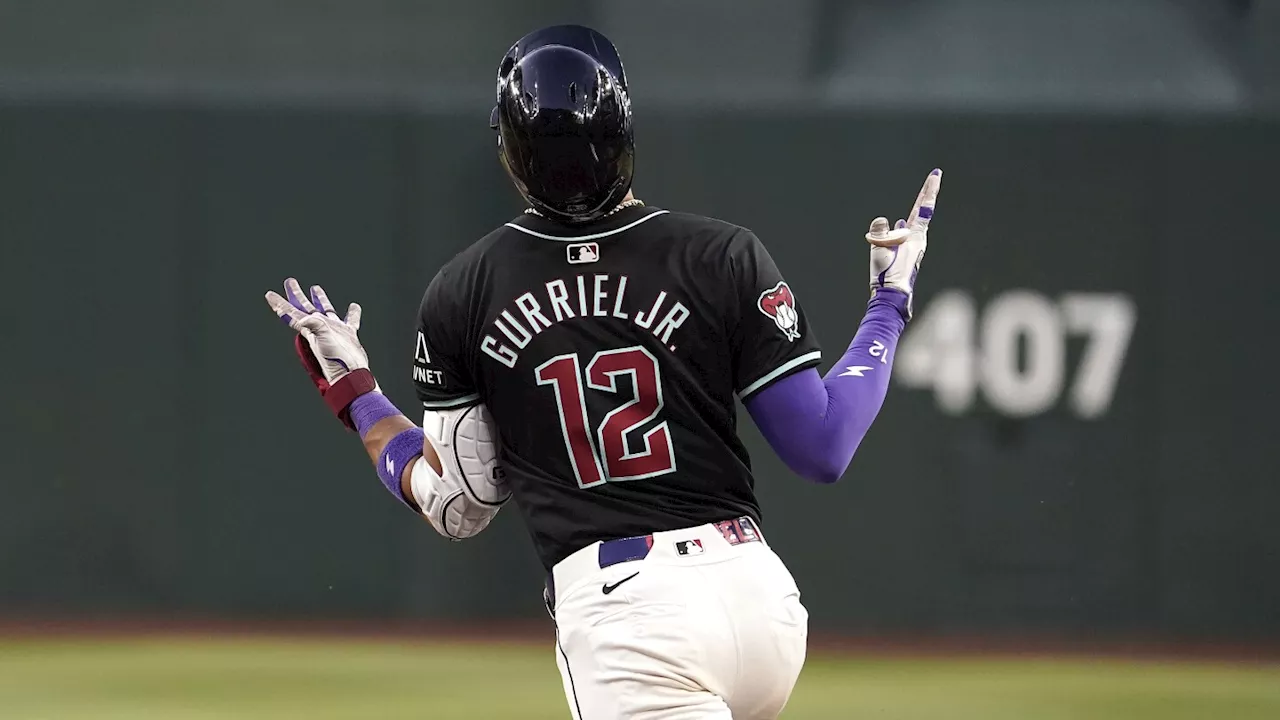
396,456
368,409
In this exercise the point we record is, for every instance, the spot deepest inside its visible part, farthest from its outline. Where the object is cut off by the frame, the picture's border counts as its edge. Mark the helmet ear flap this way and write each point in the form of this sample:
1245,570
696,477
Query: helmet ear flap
495,124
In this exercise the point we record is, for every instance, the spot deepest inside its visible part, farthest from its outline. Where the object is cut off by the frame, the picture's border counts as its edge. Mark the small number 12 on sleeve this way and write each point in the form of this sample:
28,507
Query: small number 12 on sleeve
608,457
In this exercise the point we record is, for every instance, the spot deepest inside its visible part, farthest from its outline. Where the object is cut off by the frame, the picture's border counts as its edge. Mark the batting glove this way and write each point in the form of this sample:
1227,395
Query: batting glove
896,253
328,346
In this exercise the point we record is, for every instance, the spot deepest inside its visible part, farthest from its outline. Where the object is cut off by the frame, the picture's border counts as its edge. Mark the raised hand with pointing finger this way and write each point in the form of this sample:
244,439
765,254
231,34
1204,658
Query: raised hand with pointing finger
896,252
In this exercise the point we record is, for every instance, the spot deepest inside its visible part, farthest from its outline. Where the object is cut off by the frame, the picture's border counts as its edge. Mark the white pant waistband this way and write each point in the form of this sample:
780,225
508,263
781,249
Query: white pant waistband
707,541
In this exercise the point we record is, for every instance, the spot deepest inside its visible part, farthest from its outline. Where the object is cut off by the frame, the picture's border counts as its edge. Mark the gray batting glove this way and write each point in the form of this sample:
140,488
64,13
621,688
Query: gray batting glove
896,254
333,340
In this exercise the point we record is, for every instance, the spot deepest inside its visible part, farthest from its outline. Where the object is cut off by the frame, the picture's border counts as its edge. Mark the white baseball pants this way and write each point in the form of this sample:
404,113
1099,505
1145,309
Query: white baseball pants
699,630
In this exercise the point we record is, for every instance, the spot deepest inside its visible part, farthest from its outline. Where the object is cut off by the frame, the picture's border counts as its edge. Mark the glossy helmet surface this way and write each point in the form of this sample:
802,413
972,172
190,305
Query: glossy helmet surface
563,118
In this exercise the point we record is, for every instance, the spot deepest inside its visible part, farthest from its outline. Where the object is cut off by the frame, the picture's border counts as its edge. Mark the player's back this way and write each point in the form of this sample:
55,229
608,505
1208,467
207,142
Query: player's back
610,356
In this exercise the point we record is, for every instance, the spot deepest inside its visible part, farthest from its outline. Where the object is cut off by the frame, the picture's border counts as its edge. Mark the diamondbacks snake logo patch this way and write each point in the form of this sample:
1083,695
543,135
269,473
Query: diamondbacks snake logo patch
778,303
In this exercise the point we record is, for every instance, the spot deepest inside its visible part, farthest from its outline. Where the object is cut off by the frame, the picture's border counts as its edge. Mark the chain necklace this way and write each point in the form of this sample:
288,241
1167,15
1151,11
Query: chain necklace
634,202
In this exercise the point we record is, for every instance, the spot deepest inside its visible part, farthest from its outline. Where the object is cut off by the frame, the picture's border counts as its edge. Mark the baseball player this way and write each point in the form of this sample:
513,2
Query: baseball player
606,340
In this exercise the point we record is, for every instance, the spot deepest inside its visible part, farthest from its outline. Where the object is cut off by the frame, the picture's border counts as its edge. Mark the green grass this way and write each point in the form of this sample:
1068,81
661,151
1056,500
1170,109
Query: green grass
270,679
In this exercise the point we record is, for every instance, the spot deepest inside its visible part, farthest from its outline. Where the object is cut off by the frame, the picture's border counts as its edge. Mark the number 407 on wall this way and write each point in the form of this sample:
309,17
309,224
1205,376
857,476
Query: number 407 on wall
1015,351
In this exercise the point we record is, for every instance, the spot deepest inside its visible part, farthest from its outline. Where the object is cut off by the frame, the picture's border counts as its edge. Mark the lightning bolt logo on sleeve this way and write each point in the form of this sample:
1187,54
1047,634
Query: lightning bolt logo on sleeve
855,371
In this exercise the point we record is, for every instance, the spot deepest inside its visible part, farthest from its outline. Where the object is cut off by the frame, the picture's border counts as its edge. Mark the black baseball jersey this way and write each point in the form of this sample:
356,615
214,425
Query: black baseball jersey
610,356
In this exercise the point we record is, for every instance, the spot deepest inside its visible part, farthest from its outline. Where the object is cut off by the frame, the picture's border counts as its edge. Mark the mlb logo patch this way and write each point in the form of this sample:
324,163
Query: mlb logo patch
689,547
580,253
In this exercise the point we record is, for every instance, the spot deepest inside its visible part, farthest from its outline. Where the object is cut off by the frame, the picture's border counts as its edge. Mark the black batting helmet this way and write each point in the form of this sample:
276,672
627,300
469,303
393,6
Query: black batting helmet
564,123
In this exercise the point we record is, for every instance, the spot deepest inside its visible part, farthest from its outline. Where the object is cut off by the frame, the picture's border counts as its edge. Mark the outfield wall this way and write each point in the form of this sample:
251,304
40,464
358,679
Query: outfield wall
1115,476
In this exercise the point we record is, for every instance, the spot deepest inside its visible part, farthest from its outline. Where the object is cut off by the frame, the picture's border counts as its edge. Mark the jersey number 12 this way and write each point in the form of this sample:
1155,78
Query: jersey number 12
605,455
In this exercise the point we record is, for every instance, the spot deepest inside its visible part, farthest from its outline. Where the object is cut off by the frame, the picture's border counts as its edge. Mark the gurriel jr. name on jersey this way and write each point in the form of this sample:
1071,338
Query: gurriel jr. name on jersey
583,296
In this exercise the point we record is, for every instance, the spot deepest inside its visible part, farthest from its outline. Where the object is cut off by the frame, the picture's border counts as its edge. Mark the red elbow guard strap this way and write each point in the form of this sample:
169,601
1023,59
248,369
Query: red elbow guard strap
340,395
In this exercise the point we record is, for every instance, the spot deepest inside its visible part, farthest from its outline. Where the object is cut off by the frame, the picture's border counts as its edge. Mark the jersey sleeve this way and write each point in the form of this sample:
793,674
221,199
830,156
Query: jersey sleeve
442,373
772,338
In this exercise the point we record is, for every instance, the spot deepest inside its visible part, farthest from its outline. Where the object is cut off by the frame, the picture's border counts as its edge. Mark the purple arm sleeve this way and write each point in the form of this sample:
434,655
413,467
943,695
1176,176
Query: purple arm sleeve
814,423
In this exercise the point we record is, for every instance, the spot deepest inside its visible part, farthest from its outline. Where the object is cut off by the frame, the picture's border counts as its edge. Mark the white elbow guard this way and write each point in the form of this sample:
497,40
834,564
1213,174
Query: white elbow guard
463,500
